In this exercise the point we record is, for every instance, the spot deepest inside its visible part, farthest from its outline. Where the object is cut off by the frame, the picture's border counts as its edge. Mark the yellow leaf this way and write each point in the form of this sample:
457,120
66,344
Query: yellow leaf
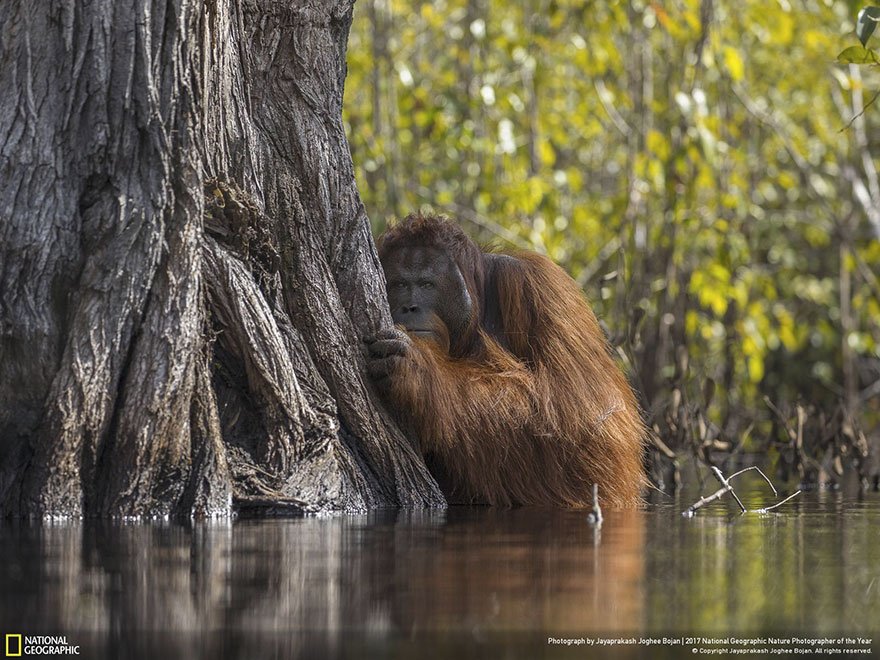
546,153
719,305
787,337
787,180
734,63
691,322
756,369
658,143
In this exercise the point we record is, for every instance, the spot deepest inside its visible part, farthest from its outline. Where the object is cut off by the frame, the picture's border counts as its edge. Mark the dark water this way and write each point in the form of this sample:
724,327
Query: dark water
467,582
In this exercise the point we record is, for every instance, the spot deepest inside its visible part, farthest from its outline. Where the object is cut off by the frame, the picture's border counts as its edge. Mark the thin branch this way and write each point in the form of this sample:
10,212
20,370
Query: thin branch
727,488
755,467
792,436
866,273
723,481
703,501
769,508
663,447
616,118
862,112
608,250
870,391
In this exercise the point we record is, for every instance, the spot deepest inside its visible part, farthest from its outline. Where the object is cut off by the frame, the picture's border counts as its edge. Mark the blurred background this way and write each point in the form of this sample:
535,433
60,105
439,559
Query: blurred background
701,168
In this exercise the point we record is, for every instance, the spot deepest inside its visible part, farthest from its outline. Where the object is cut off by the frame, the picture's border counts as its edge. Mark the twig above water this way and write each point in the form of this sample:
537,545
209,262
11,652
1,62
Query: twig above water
703,501
595,516
756,468
726,487
780,503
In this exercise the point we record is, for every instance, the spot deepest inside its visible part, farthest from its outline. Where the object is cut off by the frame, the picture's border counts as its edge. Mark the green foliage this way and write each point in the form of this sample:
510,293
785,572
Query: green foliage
866,23
858,55
682,158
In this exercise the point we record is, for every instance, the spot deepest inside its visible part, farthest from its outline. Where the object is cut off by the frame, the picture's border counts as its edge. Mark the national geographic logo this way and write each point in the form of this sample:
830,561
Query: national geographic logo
13,646
18,645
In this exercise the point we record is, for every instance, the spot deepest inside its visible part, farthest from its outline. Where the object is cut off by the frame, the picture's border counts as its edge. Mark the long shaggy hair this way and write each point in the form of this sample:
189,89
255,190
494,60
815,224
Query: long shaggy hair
533,414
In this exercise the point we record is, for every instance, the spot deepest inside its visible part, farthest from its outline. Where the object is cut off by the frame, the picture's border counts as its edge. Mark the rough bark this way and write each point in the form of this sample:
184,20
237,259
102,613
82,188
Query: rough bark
186,268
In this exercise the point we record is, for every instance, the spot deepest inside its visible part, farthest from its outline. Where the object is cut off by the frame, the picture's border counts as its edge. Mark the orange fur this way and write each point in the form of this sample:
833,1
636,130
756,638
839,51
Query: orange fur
534,415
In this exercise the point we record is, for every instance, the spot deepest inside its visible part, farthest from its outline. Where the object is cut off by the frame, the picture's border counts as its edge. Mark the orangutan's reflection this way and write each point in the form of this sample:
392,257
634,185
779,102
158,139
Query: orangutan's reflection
465,571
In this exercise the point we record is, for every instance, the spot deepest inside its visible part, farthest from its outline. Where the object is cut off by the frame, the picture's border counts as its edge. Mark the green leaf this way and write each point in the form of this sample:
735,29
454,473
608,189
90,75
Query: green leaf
858,55
866,23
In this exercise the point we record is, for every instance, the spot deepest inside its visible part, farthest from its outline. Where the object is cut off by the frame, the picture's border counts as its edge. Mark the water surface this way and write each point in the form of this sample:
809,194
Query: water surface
476,582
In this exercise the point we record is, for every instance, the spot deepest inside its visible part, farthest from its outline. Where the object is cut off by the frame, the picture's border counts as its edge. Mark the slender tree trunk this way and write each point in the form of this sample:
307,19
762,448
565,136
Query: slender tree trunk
847,325
185,265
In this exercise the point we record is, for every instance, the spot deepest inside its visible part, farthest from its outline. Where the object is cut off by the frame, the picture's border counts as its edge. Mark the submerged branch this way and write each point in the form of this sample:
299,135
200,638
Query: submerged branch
703,501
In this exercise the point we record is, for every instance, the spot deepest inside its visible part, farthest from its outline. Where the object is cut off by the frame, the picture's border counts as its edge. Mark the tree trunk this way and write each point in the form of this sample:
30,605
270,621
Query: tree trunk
186,268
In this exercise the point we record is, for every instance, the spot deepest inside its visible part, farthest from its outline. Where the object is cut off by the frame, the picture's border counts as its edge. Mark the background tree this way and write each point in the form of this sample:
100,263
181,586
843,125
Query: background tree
185,266
689,162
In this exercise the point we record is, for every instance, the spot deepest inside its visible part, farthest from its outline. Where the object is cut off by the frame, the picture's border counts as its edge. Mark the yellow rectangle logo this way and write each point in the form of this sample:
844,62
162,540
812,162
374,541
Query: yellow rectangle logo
13,649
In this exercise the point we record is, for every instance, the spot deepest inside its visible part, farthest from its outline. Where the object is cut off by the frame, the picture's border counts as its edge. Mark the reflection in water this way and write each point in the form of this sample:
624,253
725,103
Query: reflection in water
813,566
404,582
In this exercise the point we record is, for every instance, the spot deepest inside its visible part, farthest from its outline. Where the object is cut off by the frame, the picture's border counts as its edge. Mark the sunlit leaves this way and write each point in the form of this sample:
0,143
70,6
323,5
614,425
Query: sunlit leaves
858,55
712,287
712,186
658,144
